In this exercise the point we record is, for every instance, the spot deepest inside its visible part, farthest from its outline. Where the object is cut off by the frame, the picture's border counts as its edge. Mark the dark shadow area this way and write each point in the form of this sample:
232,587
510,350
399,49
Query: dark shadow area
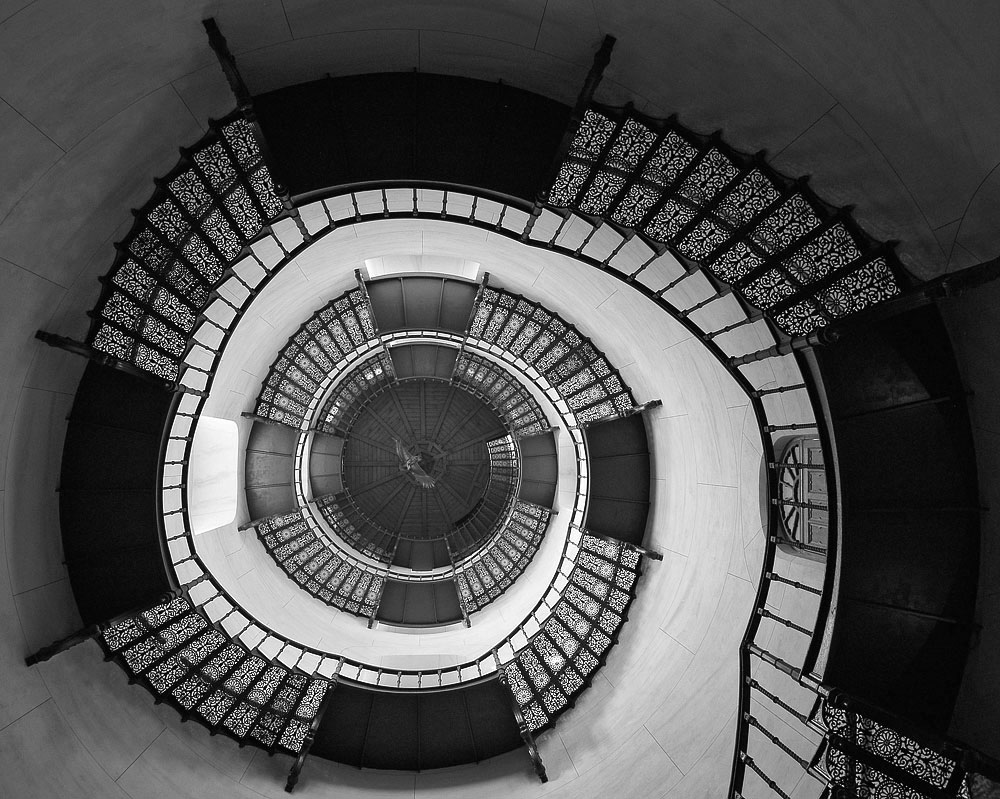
107,494
619,479
421,303
539,469
909,549
268,470
402,126
369,728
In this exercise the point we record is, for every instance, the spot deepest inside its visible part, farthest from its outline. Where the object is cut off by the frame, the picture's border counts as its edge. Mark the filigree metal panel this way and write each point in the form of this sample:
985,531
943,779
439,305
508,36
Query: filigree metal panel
523,415
559,661
310,357
504,559
176,652
577,370
346,399
781,249
872,759
504,467
317,567
203,215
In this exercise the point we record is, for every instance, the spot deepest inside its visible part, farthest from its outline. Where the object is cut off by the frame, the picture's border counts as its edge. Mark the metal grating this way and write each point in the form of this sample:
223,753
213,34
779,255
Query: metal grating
523,415
318,568
499,565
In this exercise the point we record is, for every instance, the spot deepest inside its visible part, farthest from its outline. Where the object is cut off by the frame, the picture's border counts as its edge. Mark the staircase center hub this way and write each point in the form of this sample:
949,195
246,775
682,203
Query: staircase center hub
431,459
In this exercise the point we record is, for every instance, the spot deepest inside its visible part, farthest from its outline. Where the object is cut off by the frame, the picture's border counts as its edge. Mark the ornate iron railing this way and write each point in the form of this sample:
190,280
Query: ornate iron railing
490,517
202,218
338,408
775,247
770,239
560,659
173,298
545,230
297,375
351,525
747,230
207,593
865,757
303,370
495,567
317,567
372,350
578,371
523,415
185,660
804,263
190,568
511,219
327,571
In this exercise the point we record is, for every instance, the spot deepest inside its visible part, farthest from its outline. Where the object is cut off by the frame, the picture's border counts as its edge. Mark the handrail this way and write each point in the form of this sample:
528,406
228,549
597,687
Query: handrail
711,205
820,642
146,314
609,173
467,574
557,662
315,549
161,463
344,367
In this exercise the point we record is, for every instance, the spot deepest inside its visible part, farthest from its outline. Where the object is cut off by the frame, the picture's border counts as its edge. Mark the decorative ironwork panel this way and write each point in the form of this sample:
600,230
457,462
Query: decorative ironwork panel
749,226
310,357
503,461
348,525
504,559
317,567
202,216
499,497
347,398
523,415
578,371
548,673
872,759
176,652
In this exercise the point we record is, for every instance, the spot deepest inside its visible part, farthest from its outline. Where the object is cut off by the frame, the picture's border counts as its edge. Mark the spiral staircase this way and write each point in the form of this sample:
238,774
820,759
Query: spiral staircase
676,216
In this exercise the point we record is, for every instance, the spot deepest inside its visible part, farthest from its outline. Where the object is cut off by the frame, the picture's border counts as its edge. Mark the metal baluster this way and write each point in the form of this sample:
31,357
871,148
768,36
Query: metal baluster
765,613
793,583
753,722
749,320
760,773
762,392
